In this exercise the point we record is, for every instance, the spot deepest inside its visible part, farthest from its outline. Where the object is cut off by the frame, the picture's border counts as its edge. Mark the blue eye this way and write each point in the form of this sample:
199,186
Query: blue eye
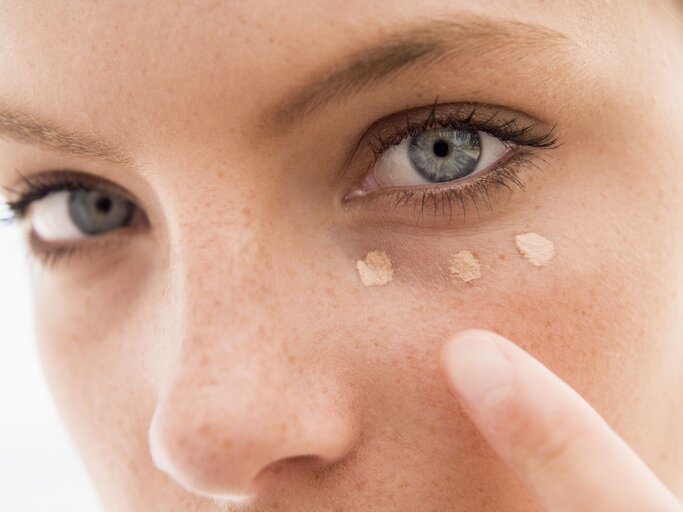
70,215
95,212
436,156
445,154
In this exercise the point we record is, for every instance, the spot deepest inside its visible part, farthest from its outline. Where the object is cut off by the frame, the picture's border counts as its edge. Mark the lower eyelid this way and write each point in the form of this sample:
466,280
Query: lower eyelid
446,205
92,249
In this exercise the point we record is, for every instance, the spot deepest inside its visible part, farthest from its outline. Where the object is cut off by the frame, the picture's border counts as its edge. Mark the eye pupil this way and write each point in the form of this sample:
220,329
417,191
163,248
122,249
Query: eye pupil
103,204
441,148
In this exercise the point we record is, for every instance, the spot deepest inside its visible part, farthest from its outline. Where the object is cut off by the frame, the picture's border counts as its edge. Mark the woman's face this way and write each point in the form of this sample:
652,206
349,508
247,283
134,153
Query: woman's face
210,337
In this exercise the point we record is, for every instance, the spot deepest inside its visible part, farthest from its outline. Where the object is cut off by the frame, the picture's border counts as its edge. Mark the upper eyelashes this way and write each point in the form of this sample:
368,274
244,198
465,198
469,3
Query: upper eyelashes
498,121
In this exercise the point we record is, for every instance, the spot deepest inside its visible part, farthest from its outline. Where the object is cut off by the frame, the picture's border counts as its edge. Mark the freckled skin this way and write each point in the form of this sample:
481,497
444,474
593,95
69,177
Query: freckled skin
237,328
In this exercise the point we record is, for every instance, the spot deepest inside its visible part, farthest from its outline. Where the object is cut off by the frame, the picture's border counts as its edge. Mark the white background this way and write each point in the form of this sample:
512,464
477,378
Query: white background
39,468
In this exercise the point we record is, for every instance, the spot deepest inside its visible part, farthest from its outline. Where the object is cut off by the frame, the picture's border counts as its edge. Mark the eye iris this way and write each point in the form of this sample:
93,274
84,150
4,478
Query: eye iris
95,212
445,154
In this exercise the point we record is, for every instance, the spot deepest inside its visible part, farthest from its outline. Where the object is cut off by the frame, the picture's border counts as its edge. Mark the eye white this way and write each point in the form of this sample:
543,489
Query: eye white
51,220
394,168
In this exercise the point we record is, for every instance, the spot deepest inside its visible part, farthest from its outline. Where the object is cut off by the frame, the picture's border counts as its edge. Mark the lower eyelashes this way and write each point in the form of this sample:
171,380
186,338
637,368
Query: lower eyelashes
445,205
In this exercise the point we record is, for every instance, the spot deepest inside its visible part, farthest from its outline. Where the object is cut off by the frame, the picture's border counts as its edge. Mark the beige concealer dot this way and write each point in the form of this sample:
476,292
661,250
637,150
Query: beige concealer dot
535,248
465,266
376,269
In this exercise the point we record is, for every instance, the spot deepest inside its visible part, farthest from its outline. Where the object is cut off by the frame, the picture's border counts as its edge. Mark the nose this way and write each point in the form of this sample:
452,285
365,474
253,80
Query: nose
249,403
227,440
252,395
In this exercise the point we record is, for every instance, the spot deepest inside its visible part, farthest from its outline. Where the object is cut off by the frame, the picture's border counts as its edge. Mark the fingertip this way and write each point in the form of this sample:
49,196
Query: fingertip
477,370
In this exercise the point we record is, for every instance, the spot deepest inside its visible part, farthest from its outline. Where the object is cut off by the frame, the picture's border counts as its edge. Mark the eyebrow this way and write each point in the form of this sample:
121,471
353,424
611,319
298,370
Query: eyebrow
27,128
425,43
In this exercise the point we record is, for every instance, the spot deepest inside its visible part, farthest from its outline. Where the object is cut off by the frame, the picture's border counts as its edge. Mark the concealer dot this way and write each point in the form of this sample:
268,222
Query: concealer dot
376,269
535,248
465,266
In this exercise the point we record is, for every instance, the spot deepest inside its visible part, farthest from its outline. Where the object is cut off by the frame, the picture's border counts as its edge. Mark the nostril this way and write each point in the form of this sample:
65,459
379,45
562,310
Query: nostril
286,466
205,461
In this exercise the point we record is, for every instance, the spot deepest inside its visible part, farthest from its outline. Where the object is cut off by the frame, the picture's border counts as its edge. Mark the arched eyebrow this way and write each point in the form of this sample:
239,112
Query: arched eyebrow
425,43
27,128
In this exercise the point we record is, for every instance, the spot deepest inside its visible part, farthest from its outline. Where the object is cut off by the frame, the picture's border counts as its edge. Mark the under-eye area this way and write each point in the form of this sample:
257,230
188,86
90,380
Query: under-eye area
445,162
376,269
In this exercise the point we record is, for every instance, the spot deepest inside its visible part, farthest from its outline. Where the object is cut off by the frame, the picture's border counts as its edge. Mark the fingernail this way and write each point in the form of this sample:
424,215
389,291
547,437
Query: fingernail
478,371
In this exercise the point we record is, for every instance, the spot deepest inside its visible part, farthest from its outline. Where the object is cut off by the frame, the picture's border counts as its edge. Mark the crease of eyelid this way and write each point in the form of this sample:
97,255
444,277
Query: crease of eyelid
425,43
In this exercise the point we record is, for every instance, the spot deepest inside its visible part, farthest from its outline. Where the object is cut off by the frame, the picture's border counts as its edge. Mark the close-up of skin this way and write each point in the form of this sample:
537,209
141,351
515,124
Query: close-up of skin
255,227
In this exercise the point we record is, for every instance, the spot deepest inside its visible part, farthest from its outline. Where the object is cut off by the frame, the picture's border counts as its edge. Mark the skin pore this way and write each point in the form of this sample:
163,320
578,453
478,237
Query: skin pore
223,344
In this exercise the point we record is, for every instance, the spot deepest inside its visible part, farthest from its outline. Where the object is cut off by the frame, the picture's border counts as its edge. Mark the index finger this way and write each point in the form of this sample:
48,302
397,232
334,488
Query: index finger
556,443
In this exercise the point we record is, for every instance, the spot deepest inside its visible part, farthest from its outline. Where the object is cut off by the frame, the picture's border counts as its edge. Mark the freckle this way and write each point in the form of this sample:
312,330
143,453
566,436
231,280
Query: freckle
537,249
465,266
204,360
376,269
502,257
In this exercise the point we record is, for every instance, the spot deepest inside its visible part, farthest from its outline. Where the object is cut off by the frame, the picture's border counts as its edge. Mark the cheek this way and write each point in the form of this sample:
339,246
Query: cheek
99,369
106,347
601,314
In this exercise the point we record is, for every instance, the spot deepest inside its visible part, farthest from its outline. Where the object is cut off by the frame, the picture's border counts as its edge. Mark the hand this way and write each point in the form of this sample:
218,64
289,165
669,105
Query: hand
551,438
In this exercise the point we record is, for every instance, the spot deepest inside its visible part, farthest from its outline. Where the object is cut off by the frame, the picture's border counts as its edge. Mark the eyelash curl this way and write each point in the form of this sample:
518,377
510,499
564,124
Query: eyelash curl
523,136
37,187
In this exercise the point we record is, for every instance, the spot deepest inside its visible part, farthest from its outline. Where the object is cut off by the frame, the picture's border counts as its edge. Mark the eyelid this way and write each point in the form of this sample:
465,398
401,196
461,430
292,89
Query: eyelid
50,254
